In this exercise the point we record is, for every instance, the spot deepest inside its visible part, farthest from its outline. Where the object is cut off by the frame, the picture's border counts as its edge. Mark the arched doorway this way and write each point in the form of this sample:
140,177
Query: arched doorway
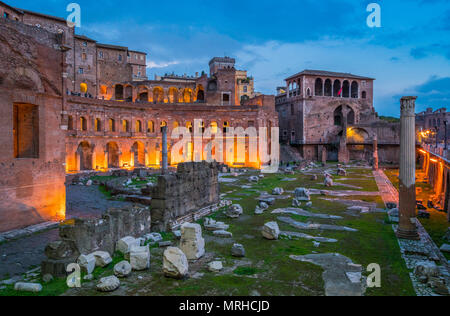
158,95
118,92
85,155
113,155
138,150
200,94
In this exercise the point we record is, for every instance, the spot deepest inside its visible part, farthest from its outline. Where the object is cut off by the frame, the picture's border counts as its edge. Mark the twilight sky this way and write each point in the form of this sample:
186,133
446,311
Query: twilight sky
408,55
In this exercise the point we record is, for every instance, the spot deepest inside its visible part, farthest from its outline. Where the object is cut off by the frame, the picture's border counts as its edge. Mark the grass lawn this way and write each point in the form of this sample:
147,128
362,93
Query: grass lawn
267,268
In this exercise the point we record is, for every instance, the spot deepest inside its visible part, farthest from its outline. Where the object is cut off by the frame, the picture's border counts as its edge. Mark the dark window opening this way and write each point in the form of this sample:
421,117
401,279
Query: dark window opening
318,87
26,131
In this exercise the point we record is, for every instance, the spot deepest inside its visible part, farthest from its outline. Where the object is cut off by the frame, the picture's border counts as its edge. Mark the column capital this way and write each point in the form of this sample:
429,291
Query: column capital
408,105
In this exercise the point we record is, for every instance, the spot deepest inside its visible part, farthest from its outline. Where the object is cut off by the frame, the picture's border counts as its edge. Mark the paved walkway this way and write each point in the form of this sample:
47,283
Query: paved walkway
388,192
21,255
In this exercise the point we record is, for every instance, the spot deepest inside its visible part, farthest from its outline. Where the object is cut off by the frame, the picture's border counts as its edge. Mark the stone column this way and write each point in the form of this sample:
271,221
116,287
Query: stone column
343,154
164,151
407,228
375,152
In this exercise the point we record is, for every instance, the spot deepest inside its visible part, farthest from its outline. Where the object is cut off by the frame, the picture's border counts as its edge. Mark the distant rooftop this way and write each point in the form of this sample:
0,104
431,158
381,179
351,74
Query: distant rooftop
222,60
323,73
112,46
43,15
82,37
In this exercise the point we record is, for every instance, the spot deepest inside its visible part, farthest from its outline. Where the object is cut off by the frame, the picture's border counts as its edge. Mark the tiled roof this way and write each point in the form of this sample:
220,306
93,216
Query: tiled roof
323,73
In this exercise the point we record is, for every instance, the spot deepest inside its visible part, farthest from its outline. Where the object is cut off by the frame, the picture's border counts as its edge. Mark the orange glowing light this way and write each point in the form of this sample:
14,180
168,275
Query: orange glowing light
422,151
433,160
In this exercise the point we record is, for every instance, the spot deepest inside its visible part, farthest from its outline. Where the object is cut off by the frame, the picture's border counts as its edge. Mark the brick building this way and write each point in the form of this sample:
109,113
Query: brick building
70,104
323,110
431,121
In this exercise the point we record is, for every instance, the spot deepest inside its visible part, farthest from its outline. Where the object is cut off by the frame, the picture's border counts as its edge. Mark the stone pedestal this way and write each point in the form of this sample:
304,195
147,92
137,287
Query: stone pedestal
407,228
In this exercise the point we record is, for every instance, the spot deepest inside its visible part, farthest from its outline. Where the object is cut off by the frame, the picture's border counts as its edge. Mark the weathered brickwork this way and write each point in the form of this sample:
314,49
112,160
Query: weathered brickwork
194,186
32,144
335,110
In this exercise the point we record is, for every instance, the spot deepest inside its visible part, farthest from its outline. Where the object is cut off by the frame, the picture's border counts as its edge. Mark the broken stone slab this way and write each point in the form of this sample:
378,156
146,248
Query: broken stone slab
342,172
164,244
313,226
360,209
253,179
238,251
153,237
222,234
122,269
278,191
309,204
144,200
263,205
215,266
234,211
298,211
192,242
87,263
28,287
302,194
328,182
211,225
140,258
393,215
102,258
445,248
175,263
426,269
267,200
271,231
258,211
177,234
292,235
108,284
125,244
340,274
296,203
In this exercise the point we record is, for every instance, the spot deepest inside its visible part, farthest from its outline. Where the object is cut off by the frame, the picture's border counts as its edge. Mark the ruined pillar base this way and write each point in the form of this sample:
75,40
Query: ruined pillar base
410,235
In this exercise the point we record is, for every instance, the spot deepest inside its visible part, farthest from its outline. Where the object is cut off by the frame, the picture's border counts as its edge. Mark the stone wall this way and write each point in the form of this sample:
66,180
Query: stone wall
194,186
84,236
32,185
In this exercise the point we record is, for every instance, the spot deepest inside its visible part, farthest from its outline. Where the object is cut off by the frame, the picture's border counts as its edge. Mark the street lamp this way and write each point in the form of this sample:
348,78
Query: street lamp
445,125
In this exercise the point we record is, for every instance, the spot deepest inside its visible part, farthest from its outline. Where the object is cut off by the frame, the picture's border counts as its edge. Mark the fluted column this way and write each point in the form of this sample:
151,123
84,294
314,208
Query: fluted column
407,228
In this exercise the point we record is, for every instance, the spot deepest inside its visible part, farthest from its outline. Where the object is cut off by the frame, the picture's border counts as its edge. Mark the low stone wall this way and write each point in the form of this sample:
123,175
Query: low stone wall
193,187
84,236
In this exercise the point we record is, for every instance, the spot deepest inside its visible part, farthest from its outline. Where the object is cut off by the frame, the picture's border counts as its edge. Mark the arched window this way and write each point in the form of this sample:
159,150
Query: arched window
112,125
98,125
308,92
125,126
83,88
189,126
138,126
151,127
213,127
226,125
83,124
337,88
118,92
70,123
319,87
355,92
328,88
103,89
364,95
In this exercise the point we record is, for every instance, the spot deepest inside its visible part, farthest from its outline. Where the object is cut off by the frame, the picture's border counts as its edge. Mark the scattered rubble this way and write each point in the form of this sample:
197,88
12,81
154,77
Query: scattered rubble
175,263
108,284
